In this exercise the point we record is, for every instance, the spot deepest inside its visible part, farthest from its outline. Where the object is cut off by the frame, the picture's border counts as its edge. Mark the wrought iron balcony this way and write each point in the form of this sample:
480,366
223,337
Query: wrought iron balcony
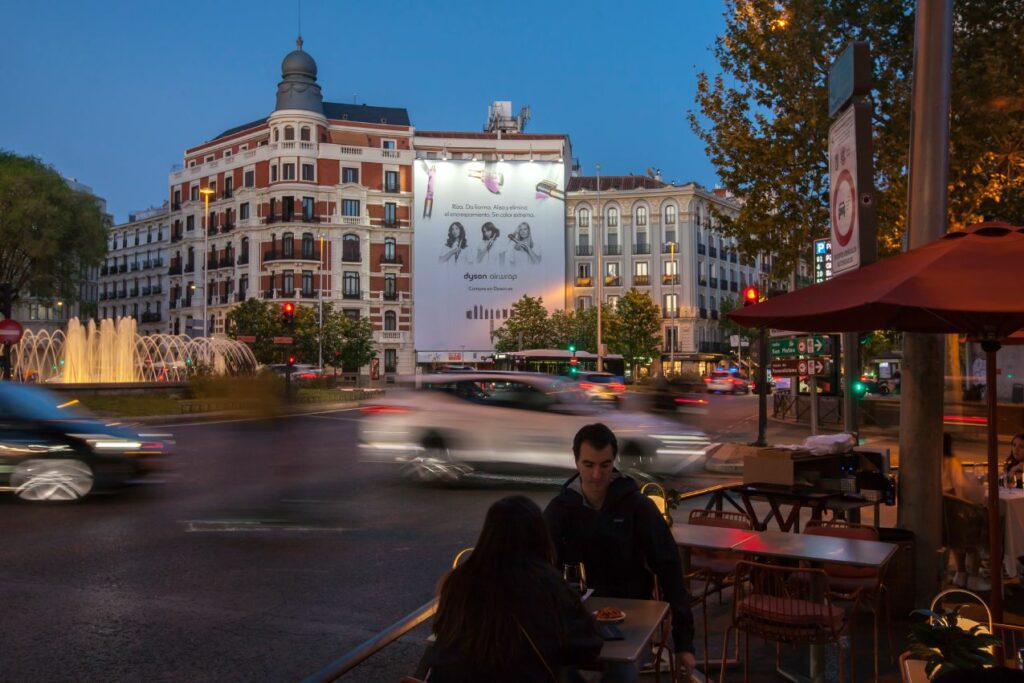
713,347
641,280
354,294
389,295
612,281
392,259
641,248
584,250
670,313
583,282
613,250
701,249
670,279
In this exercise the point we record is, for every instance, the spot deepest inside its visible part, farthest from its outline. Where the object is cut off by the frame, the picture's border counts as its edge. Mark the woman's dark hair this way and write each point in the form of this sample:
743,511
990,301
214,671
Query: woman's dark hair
489,230
509,573
458,238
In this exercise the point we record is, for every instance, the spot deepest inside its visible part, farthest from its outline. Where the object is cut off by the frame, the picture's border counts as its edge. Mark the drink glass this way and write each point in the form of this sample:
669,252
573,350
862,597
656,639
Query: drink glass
576,576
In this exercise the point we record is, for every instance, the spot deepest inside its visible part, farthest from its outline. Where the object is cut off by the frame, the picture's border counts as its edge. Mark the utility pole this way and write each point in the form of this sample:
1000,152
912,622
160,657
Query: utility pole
920,508
599,275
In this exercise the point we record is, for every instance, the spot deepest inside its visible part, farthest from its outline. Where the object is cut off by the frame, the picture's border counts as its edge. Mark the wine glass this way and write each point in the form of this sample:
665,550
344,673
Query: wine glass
576,576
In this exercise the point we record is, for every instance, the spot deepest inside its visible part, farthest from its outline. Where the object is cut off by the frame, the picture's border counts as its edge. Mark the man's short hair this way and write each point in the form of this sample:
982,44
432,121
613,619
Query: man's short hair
597,435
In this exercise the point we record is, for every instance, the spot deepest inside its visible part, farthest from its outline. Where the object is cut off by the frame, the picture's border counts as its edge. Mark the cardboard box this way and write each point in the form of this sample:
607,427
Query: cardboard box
774,467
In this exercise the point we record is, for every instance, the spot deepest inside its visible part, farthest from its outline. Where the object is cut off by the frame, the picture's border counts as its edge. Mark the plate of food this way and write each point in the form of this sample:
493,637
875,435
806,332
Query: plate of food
609,615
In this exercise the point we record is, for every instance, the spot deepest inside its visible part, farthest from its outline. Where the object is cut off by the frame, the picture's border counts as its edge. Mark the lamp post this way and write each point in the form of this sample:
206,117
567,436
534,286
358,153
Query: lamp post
675,301
599,279
206,192
320,302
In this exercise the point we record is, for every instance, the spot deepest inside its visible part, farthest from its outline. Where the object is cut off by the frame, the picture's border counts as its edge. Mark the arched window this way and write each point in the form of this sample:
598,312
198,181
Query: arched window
390,321
583,220
350,248
613,217
670,214
288,245
289,133
641,216
389,249
277,135
243,251
304,133
307,246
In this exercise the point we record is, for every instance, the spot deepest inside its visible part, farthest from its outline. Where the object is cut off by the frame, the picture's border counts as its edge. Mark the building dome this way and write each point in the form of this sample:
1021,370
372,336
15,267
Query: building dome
298,88
298,62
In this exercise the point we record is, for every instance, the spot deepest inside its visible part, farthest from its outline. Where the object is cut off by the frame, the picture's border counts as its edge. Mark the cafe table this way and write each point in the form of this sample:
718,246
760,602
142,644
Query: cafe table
1011,504
642,619
815,550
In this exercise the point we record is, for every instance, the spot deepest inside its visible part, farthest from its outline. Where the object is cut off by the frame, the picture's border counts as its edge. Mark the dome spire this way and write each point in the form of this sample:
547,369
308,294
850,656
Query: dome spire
298,88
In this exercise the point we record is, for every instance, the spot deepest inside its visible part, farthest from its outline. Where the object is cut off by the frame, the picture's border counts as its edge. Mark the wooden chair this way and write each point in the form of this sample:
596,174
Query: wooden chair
863,586
716,569
965,527
462,554
662,638
784,605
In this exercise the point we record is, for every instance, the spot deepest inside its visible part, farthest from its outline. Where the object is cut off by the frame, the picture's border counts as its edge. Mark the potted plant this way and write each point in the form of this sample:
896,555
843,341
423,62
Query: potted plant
945,645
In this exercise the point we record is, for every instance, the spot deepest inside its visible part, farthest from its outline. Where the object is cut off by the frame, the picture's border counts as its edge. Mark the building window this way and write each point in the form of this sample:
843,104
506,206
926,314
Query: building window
307,208
190,222
307,283
641,216
583,220
350,207
389,249
611,270
390,286
640,268
613,218
350,175
391,214
288,172
277,135
613,300
307,246
243,211
229,186
307,171
350,284
289,133
304,134
351,313
670,215
670,268
288,245
670,237
583,270
671,303
288,208
582,303
387,144
249,179
273,173
390,321
391,181
350,248
390,360
288,283
194,193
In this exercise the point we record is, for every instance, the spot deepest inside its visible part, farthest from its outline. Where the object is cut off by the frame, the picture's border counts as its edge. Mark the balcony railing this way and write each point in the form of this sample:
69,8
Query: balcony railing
724,285
389,296
713,347
224,298
583,282
714,314
302,256
701,249
151,317
103,296
671,348
704,313
391,259
307,294
175,269
612,281
156,289
146,291
190,267
642,248
226,261
669,248
670,313
351,258
393,223
267,294
103,270
355,294
123,268
135,292
702,281
670,279
732,257
714,283
211,263
712,252
172,304
641,280
227,227
243,259
177,236
613,250
584,250
240,297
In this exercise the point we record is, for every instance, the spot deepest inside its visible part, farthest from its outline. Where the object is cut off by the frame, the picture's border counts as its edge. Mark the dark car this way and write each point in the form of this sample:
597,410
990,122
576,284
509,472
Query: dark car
50,449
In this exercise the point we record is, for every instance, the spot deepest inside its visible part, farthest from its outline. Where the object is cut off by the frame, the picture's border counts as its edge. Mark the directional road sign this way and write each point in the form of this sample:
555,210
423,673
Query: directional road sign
814,366
785,367
781,348
818,345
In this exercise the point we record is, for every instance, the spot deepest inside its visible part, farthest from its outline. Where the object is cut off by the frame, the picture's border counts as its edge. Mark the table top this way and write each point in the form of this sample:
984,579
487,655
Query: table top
709,537
642,618
818,548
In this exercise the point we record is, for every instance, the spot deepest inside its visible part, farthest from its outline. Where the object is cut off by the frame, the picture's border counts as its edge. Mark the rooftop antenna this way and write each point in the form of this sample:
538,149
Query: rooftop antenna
299,41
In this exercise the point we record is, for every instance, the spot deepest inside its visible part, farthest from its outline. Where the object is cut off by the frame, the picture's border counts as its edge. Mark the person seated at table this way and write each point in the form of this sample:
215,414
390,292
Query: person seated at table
601,519
505,613
1014,464
954,481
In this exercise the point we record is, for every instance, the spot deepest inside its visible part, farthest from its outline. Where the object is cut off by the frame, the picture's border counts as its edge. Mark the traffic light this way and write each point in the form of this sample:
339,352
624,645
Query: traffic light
291,360
287,313
751,295
572,349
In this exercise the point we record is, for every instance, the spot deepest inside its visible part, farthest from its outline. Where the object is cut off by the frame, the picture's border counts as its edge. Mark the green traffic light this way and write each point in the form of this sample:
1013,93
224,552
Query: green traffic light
572,348
859,388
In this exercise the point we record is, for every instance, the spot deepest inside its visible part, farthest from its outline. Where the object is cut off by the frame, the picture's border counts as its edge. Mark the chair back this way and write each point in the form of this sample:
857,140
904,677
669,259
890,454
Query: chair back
785,604
842,529
720,562
720,518
461,555
656,492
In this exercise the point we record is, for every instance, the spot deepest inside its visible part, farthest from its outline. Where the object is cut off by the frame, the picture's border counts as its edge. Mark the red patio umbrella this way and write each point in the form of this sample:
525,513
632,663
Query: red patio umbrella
966,282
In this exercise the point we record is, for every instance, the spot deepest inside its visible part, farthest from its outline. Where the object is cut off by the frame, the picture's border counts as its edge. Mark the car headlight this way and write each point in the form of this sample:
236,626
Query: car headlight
105,443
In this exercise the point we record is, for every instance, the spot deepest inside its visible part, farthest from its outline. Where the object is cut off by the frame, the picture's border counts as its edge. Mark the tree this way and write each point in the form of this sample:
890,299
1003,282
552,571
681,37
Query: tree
260,319
48,231
527,327
764,120
356,347
635,329
579,327
726,324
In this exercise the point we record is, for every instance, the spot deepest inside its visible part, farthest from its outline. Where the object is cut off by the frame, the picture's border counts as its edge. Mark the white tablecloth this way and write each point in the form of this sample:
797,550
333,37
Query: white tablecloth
1011,505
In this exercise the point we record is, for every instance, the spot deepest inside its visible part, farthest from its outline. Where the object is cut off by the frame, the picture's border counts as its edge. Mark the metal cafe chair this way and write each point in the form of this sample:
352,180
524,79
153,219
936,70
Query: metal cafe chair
461,555
656,492
715,569
863,586
784,605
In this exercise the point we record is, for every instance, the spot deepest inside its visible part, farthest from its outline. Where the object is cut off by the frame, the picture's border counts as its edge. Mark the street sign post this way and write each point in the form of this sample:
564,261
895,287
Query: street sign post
814,366
785,367
781,348
822,261
10,331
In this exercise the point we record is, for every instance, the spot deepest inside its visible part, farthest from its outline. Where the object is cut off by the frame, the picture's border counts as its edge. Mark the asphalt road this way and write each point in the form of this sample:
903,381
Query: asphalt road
269,551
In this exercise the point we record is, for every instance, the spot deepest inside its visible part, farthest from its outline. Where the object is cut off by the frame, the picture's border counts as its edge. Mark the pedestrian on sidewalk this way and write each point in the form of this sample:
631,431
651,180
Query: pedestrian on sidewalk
954,481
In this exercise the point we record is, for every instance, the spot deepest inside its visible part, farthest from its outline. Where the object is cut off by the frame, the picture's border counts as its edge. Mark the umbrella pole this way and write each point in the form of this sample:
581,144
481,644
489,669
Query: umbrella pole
995,540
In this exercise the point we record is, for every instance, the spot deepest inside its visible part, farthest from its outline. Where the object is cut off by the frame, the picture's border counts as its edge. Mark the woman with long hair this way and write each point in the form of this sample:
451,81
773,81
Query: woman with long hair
454,244
505,613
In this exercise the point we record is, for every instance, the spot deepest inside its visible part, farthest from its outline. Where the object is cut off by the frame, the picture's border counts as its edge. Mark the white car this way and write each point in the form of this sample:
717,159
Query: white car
514,423
726,382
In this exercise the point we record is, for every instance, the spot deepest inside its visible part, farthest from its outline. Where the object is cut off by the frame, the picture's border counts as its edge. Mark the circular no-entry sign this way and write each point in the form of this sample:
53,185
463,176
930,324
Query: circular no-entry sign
10,331
844,207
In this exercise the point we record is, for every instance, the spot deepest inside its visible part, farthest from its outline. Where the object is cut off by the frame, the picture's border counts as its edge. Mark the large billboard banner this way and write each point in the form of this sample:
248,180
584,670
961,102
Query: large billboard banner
486,234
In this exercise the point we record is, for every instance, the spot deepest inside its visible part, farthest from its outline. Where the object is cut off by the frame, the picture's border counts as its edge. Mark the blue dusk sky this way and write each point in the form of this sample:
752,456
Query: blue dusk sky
111,93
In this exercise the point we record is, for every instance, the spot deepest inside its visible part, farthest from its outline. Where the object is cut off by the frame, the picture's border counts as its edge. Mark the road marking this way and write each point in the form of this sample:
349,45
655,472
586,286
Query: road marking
172,425
235,525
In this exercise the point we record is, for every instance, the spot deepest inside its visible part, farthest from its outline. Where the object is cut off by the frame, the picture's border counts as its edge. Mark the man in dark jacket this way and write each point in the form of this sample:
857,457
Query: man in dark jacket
601,519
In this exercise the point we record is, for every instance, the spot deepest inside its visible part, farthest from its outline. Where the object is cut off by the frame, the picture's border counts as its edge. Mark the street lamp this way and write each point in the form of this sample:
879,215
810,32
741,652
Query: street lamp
599,239
320,301
206,192
675,301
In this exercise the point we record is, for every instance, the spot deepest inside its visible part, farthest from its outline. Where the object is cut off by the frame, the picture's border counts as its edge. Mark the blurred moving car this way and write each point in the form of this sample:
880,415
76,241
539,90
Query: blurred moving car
50,449
509,424
300,371
601,386
724,381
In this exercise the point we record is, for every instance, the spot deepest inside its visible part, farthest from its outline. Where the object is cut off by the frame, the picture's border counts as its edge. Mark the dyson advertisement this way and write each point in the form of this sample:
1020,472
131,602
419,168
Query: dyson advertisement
486,234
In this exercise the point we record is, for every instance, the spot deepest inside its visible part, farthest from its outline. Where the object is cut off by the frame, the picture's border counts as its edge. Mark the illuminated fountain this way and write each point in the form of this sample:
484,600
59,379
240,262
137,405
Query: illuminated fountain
114,352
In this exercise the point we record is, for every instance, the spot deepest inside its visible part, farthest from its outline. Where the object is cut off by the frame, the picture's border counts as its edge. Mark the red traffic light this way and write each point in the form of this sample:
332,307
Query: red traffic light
751,295
291,360
574,360
288,308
